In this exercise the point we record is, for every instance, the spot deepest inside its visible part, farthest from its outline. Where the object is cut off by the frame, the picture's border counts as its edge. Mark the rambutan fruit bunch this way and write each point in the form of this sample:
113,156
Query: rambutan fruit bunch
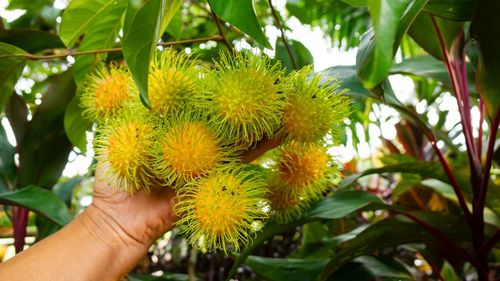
199,130
244,97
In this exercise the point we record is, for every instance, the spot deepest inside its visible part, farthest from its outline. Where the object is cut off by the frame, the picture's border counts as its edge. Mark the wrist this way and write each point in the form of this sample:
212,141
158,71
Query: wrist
112,240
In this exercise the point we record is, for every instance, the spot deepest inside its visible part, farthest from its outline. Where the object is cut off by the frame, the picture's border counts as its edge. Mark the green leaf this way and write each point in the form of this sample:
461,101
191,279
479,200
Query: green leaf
241,14
100,34
395,231
391,19
172,7
423,32
356,3
367,268
338,206
75,124
64,190
141,34
457,10
17,112
285,269
485,31
79,16
7,164
12,62
299,52
41,201
45,145
31,40
448,272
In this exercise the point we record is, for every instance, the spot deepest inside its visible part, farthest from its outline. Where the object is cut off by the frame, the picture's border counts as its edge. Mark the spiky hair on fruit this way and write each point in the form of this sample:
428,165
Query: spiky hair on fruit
244,96
173,81
106,92
315,107
287,202
187,147
123,147
305,166
221,211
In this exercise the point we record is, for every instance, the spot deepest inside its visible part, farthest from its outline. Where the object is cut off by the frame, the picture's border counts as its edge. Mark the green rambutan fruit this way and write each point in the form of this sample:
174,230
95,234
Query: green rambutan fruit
244,97
187,147
123,147
173,81
106,92
222,210
314,109
287,202
305,166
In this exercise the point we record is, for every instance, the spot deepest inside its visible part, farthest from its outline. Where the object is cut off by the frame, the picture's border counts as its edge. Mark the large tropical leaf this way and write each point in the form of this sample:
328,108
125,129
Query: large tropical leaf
391,20
486,33
141,33
241,14
12,62
31,40
79,16
40,201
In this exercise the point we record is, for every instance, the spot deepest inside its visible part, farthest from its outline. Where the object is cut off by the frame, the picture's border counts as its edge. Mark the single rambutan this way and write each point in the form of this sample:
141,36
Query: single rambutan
173,81
106,92
187,147
244,97
123,147
305,166
287,202
314,109
222,210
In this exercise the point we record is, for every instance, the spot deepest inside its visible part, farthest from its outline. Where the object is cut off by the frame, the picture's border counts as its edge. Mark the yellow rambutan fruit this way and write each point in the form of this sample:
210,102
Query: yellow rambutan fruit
106,91
222,210
187,147
244,97
305,166
287,202
314,109
123,147
173,81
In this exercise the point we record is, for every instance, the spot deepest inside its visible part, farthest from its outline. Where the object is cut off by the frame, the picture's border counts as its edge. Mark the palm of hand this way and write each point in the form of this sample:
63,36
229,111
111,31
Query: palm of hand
142,216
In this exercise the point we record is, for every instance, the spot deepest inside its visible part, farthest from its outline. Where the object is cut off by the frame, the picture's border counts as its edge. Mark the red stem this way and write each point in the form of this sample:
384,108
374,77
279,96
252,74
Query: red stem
20,221
489,158
480,131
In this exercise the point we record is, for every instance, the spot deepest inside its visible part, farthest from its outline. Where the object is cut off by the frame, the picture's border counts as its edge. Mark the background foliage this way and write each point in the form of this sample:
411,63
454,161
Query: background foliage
423,203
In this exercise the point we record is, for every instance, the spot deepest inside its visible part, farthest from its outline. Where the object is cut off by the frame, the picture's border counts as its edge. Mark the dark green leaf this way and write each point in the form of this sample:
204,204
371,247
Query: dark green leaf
100,34
485,30
45,145
348,79
299,52
17,113
358,3
75,124
457,10
7,164
141,34
448,272
79,16
391,20
40,201
423,32
31,40
241,14
64,190
12,62
45,227
368,268
395,231
340,205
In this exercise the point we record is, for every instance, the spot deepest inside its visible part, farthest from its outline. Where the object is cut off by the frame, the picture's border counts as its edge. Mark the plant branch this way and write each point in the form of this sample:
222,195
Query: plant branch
489,159
221,33
283,38
486,248
111,50
262,147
